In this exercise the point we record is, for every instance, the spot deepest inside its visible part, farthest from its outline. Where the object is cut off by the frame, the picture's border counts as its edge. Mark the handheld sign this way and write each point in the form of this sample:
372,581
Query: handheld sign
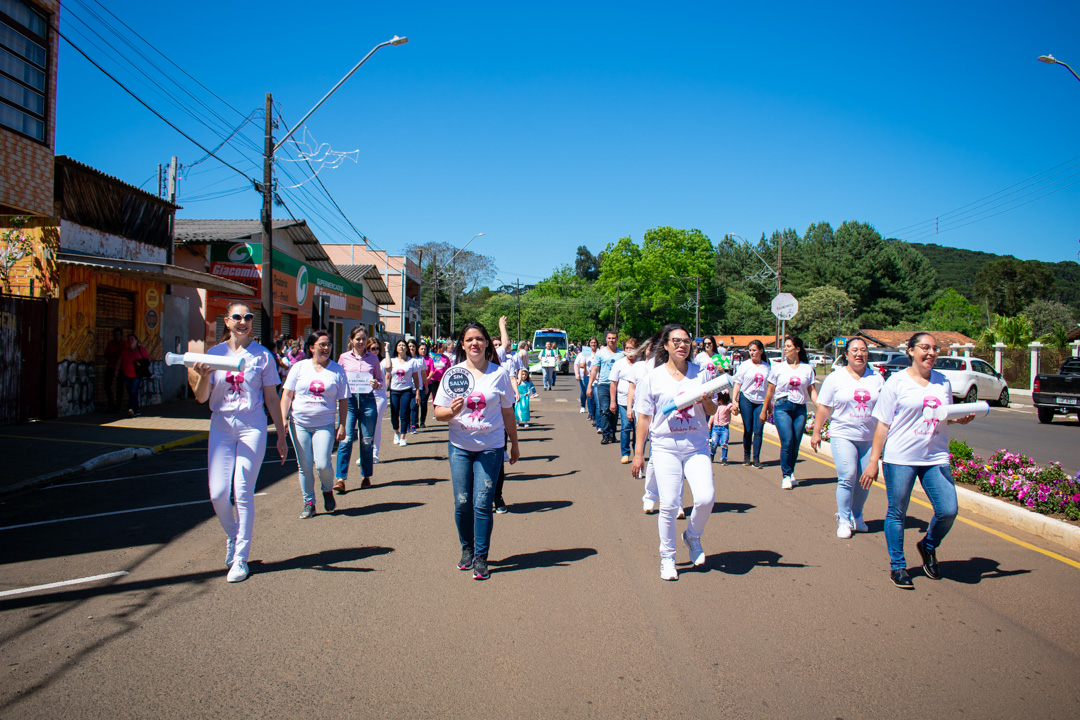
459,382
688,397
359,383
217,362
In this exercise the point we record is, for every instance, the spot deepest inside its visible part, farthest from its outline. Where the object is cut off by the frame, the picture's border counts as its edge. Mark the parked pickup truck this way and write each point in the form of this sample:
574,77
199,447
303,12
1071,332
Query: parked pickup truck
1058,394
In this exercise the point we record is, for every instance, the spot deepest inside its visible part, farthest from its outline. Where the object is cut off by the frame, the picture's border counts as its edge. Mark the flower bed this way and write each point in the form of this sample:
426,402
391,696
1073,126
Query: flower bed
1045,489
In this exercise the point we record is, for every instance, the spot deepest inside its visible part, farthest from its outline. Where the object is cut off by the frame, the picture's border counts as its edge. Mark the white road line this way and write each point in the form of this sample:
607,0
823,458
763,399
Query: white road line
114,512
50,586
136,477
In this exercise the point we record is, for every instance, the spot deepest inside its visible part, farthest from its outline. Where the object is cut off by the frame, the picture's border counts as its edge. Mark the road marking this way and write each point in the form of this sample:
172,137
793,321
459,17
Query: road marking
972,523
107,514
135,477
50,586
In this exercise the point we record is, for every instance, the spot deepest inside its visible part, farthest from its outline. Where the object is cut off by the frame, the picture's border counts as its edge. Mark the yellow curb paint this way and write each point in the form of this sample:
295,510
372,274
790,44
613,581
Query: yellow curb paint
972,523
182,441
68,440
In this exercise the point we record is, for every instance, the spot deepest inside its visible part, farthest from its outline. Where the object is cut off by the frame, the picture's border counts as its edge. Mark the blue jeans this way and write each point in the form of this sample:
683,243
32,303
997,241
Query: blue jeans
584,385
937,481
362,413
314,454
626,433
752,426
549,377
473,475
131,384
790,425
718,439
605,418
419,409
401,402
850,458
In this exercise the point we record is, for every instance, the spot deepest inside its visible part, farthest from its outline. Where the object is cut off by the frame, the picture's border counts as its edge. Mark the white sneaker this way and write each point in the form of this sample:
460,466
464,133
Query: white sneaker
859,526
681,515
403,442
397,439
667,569
794,482
581,411
238,572
843,528
650,507
358,461
786,483
230,551
374,458
693,544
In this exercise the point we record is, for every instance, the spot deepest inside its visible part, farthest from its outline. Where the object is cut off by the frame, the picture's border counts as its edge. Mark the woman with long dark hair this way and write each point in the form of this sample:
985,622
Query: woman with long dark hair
748,397
680,443
365,377
381,398
238,433
790,384
476,398
404,390
915,446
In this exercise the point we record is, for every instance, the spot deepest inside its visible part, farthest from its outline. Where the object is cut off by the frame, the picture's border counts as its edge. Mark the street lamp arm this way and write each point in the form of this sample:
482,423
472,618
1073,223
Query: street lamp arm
1051,60
392,41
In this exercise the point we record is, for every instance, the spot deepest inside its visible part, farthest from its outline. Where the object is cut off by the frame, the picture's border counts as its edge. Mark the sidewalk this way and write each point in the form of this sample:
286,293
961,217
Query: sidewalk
40,452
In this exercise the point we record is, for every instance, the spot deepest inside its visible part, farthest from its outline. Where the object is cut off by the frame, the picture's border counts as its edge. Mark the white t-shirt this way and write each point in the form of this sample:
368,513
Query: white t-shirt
316,394
402,371
913,438
852,402
623,372
242,392
583,362
753,380
683,431
793,382
479,425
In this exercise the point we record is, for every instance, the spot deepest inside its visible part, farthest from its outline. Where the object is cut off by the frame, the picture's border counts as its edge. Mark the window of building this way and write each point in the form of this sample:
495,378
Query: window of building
24,52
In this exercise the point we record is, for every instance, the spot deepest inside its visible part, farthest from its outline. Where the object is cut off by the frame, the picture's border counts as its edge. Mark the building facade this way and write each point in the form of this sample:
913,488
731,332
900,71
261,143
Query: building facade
402,278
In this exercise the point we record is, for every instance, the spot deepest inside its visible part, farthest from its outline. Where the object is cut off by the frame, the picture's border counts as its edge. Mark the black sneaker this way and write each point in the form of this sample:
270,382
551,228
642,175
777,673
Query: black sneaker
607,441
480,569
466,561
500,507
929,560
308,511
902,580
328,502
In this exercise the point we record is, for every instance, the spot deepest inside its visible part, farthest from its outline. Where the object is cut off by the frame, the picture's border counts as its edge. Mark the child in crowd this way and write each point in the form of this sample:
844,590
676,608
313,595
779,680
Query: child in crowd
525,391
718,427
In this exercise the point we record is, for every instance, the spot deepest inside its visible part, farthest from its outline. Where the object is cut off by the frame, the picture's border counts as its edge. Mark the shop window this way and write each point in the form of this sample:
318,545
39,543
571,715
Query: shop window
24,52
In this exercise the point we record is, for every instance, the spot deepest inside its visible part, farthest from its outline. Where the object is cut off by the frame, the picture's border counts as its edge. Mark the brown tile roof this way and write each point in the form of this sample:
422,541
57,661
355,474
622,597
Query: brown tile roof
896,338
739,341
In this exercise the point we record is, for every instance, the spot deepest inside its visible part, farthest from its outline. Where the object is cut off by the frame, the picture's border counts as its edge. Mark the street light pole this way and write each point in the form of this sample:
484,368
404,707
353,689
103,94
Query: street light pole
267,216
1051,60
453,278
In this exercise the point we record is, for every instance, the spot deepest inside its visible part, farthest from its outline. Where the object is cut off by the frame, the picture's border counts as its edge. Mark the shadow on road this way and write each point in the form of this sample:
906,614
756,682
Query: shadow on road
547,458
377,508
743,561
541,559
539,506
521,478
723,507
532,439
810,482
406,483
910,523
975,570
323,560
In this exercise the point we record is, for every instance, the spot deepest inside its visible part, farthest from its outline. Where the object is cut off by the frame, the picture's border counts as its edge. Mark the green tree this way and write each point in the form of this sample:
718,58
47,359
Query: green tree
586,265
1008,285
745,315
952,311
1013,331
821,315
1057,338
1045,315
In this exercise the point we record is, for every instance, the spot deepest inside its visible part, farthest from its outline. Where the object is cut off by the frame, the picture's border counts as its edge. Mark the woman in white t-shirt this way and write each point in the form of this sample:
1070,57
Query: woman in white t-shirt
909,415
846,401
622,372
405,382
790,384
751,382
316,394
476,398
237,441
381,398
680,443
582,367
704,359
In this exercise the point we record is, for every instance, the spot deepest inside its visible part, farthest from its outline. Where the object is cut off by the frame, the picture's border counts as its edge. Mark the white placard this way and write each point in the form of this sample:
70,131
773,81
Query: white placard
359,383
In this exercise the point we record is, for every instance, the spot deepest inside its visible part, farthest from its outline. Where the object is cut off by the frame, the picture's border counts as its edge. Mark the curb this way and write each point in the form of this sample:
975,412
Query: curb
992,508
101,461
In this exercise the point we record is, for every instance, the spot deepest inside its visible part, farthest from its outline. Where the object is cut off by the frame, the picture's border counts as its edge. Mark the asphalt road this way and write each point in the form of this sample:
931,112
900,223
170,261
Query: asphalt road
363,614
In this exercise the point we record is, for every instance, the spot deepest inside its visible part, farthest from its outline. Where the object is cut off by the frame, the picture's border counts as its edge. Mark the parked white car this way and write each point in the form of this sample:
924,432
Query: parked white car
973,379
874,358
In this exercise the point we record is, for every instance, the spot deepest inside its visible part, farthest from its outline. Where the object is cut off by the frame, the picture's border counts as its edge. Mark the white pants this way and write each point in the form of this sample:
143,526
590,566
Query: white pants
380,408
652,495
234,458
671,469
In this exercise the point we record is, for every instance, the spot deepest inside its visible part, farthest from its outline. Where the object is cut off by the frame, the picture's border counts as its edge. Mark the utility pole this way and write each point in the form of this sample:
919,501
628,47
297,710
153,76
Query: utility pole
519,310
779,266
617,308
419,305
170,256
267,283
434,296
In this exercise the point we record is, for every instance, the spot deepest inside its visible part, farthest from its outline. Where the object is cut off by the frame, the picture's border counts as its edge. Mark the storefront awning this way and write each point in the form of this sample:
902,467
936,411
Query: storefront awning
160,272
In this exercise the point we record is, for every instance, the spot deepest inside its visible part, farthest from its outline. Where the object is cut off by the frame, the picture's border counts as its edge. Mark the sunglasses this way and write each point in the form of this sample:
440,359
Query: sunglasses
247,317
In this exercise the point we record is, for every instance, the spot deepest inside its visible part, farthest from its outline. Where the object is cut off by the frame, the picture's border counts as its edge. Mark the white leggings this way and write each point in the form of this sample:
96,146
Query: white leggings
671,468
235,456
380,408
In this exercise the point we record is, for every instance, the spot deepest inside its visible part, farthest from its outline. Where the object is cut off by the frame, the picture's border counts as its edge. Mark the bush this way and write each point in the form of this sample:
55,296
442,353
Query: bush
1045,490
960,449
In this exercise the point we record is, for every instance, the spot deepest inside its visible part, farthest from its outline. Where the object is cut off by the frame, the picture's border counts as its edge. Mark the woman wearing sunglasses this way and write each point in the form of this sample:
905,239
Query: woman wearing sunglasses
365,377
680,443
237,441
915,446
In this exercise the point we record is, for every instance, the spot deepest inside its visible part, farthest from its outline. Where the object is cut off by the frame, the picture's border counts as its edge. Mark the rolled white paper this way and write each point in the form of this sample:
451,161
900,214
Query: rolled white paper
217,362
958,410
687,398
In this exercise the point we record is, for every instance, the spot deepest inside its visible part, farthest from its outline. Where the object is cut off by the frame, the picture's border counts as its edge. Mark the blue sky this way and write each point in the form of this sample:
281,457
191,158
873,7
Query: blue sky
552,125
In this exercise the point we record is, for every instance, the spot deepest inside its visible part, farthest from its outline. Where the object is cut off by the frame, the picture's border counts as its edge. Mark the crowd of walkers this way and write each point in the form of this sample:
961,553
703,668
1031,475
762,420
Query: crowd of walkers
651,393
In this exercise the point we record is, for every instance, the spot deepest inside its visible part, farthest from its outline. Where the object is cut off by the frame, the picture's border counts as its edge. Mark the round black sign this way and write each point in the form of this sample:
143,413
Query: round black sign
458,381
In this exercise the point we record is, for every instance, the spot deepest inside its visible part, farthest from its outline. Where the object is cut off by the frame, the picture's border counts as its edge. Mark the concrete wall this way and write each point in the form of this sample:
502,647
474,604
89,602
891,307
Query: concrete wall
83,239
174,329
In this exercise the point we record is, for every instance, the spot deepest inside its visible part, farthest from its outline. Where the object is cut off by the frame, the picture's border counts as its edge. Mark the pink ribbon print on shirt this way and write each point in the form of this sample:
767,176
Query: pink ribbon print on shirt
930,405
862,400
476,403
235,380
317,388
759,380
